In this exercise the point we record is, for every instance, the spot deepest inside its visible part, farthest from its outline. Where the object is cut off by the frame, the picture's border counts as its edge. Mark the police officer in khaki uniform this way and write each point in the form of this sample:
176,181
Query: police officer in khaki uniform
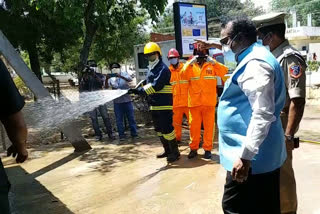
271,30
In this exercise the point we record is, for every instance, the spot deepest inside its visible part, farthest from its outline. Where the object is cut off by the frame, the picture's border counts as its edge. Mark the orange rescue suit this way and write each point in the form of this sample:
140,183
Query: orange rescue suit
180,98
202,99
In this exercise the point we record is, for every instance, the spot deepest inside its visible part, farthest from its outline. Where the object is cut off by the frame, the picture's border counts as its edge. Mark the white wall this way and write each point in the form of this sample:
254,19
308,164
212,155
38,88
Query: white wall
313,79
315,48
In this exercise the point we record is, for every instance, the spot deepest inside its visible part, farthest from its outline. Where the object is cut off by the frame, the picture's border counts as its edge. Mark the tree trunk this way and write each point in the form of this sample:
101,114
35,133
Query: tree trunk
34,60
91,29
72,132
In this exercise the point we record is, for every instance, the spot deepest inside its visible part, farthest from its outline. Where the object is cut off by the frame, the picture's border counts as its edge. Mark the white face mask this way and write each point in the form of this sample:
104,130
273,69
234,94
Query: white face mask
116,70
94,69
260,41
153,63
226,48
173,61
228,54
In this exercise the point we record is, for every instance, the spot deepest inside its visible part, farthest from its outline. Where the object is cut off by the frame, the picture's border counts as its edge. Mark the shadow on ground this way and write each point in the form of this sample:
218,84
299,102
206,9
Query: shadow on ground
28,196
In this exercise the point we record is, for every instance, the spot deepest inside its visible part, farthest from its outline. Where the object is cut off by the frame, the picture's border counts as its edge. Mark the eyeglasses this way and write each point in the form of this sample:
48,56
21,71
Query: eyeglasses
225,40
147,56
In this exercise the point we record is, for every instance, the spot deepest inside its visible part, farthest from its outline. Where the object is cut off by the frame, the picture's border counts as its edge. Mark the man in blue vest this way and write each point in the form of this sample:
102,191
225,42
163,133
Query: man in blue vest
251,139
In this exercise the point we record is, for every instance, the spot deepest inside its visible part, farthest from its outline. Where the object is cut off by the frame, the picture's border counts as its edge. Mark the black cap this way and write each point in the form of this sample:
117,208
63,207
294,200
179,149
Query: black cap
114,65
91,63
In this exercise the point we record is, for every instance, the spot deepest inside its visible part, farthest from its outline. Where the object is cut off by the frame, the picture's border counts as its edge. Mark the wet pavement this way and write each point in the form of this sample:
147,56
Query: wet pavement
127,178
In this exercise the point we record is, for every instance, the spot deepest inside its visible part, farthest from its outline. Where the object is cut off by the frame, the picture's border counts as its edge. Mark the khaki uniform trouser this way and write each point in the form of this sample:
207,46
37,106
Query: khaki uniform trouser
288,192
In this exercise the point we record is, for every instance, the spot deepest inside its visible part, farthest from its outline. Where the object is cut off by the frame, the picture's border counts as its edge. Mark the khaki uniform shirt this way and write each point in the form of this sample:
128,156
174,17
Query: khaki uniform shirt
294,67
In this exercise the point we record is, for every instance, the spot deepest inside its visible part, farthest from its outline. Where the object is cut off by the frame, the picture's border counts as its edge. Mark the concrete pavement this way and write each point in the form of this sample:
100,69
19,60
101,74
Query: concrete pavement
127,178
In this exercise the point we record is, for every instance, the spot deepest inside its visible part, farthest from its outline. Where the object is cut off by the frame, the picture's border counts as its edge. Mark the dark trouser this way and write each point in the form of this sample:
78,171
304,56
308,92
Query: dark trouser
105,117
121,110
258,195
288,189
162,121
4,190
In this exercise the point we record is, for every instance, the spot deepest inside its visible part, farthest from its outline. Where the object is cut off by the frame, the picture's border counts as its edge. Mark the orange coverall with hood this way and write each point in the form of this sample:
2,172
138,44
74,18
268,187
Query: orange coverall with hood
180,98
202,100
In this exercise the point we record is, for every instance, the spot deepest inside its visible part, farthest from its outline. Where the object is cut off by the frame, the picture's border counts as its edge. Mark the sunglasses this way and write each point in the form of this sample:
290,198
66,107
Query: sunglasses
225,40
149,55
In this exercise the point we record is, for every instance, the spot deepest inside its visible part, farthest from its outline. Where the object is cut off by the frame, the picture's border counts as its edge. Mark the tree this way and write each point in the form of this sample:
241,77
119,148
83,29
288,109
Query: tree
221,9
39,27
102,16
217,10
117,45
165,24
302,8
46,29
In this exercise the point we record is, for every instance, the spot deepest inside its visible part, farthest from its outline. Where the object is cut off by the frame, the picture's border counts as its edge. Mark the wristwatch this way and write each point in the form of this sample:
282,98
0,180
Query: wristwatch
289,137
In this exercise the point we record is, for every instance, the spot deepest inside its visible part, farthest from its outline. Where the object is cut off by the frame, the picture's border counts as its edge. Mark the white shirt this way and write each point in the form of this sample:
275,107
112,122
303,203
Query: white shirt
119,83
257,83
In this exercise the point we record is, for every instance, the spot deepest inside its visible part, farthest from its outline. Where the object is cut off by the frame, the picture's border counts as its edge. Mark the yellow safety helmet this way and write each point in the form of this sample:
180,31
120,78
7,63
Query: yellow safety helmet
152,47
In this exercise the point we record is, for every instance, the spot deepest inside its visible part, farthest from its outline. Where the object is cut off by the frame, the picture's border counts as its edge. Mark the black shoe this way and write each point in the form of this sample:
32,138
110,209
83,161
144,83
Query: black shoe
99,138
112,136
192,154
135,137
174,154
207,155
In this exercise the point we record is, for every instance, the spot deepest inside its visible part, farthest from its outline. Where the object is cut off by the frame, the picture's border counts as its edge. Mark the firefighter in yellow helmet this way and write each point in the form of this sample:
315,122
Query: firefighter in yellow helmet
159,91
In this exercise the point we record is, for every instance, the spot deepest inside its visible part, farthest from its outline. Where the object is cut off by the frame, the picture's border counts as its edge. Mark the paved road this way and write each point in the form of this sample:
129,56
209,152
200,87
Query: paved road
127,178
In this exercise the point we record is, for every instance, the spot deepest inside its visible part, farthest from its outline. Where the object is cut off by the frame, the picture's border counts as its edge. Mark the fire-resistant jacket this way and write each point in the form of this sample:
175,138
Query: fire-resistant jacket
179,86
203,83
158,87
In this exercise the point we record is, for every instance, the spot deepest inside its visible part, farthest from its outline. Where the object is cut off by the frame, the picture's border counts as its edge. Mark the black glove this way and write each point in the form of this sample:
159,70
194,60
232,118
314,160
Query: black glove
133,91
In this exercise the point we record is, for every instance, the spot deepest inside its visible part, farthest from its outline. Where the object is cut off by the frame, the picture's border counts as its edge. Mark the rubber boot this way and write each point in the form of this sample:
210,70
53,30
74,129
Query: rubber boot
174,151
165,147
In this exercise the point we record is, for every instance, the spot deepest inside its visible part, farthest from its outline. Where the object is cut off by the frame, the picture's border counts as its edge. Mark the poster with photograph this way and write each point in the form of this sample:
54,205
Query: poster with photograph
192,25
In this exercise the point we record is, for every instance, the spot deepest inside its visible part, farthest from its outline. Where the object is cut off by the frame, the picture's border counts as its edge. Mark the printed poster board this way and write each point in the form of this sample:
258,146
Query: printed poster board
190,22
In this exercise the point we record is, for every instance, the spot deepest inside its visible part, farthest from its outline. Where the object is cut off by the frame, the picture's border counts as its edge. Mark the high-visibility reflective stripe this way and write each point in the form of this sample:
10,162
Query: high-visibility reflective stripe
158,108
194,78
170,136
164,92
149,89
183,82
167,89
152,90
159,134
209,77
173,83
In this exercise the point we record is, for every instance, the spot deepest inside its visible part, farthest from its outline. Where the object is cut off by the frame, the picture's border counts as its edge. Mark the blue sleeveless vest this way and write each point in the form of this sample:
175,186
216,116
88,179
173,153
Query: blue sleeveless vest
234,114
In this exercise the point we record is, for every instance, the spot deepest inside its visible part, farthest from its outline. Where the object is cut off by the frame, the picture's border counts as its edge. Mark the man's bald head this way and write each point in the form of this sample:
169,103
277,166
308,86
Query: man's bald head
238,33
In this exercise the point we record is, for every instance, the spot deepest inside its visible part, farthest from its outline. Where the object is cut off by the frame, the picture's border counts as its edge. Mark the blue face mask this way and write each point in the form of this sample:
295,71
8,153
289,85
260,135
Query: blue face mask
259,41
173,61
